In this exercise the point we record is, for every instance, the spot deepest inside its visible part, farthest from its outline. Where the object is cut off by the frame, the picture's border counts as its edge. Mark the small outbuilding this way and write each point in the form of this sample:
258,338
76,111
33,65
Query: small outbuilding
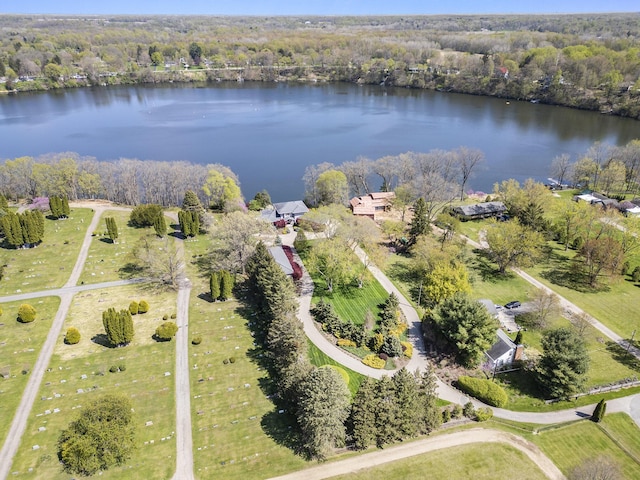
281,259
480,210
503,353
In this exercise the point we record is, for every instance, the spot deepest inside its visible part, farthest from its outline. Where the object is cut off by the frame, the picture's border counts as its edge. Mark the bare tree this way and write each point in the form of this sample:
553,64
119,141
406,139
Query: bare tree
159,259
468,159
310,178
598,468
561,168
387,169
545,306
357,174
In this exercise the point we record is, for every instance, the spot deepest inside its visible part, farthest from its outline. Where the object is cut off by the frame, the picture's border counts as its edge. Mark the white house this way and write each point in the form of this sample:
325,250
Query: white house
503,352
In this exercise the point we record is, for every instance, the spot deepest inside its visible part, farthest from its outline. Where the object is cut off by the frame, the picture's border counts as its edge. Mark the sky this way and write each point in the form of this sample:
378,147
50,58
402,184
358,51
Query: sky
315,7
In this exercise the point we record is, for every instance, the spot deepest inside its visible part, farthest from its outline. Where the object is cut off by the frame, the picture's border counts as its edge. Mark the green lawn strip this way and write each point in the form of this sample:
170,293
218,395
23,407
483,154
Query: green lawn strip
319,359
487,461
49,264
237,430
20,345
106,259
144,381
576,443
623,430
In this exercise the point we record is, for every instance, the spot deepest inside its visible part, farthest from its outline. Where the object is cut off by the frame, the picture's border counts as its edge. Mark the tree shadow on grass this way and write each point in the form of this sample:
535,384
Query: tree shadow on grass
522,381
282,428
572,279
403,274
102,340
130,270
482,265
620,354
106,240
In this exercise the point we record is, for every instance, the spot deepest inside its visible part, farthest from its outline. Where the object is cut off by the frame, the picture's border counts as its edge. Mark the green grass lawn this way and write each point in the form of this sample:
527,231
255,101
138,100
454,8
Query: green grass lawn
19,348
105,259
49,264
69,384
319,359
572,445
480,462
237,430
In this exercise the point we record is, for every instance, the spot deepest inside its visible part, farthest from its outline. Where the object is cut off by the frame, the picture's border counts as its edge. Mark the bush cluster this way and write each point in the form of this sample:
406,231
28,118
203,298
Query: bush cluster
484,390
72,336
345,342
117,368
166,331
145,215
229,360
374,361
483,414
196,340
407,349
324,314
26,313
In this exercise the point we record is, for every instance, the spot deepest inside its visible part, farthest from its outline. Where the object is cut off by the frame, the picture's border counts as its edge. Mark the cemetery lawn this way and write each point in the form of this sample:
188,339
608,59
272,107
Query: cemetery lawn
20,345
49,264
148,381
238,433
105,259
487,461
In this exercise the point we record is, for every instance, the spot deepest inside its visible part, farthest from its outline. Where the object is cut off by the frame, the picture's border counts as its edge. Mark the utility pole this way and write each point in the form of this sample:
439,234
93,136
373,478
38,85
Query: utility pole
633,334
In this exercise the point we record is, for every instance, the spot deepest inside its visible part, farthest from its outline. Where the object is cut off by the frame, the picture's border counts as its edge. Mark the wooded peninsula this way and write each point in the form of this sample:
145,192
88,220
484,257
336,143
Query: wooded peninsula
587,61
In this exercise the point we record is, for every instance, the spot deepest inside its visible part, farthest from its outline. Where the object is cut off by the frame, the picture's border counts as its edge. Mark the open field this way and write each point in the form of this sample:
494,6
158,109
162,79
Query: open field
20,345
487,461
576,443
69,383
49,264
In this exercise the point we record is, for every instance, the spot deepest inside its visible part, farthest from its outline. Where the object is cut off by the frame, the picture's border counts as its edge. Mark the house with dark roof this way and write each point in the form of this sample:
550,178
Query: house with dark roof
503,352
286,211
480,210
372,203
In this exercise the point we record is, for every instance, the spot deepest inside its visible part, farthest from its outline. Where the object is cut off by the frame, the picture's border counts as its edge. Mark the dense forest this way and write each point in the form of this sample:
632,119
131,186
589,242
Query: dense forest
582,61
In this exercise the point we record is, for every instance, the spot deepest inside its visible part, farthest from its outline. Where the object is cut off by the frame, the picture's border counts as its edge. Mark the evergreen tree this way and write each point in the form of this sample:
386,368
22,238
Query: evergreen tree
598,413
4,204
301,244
419,225
66,211
191,203
518,340
430,418
12,230
363,416
112,228
322,410
55,207
226,285
214,285
386,411
408,404
160,225
118,326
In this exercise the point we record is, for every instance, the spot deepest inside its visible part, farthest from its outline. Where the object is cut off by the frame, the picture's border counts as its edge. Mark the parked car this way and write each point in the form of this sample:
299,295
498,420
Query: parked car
514,304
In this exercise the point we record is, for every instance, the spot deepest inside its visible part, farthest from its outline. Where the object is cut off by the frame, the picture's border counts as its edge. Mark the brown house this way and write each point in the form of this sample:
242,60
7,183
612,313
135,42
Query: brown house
372,203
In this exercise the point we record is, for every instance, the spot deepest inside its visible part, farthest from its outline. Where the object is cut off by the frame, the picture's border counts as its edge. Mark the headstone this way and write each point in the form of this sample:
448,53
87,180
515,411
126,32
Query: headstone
166,374
42,429
35,447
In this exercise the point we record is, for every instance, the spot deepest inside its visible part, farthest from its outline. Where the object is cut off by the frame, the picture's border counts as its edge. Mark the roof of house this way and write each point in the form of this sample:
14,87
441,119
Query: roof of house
478,209
268,214
281,259
295,207
502,346
367,204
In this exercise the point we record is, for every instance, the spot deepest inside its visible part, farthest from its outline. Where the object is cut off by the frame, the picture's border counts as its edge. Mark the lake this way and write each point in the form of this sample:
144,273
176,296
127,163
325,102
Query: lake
269,133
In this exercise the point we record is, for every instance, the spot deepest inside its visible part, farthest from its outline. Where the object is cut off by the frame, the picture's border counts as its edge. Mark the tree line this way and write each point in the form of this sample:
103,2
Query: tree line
584,61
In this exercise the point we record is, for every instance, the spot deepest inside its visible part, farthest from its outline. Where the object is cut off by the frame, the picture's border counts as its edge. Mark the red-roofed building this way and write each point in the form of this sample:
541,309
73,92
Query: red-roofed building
372,203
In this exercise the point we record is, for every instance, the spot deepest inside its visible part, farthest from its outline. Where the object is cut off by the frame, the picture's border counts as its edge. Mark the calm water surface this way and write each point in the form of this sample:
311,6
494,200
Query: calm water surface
268,134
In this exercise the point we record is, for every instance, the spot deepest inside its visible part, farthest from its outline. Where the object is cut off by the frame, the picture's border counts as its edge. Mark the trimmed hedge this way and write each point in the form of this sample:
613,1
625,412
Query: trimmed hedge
407,348
345,342
26,313
373,361
72,336
143,306
484,390
134,307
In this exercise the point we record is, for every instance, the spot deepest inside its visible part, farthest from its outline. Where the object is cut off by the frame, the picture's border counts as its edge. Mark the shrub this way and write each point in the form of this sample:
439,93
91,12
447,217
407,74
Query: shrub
484,390
173,316
232,359
456,411
483,414
166,331
225,361
122,367
373,361
196,340
383,356
599,411
635,275
72,336
145,215
392,346
143,306
469,410
376,342
165,317
345,342
134,308
113,368
26,313
446,415
407,349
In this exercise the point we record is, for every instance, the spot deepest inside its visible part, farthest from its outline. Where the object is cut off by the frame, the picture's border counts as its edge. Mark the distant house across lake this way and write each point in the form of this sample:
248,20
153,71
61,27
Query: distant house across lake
372,203
480,210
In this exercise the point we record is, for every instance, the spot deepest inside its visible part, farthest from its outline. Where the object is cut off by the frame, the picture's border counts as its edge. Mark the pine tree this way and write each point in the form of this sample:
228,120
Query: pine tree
4,204
419,224
386,412
54,206
301,244
118,326
160,225
112,228
408,403
598,413
363,415
518,340
226,285
66,211
214,286
430,417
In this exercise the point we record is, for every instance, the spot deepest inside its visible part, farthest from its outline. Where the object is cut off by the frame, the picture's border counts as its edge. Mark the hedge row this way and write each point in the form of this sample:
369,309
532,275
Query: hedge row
484,390
374,361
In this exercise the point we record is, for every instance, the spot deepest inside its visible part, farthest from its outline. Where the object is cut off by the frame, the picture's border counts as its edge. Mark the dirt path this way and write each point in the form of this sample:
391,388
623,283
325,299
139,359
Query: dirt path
19,423
410,449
